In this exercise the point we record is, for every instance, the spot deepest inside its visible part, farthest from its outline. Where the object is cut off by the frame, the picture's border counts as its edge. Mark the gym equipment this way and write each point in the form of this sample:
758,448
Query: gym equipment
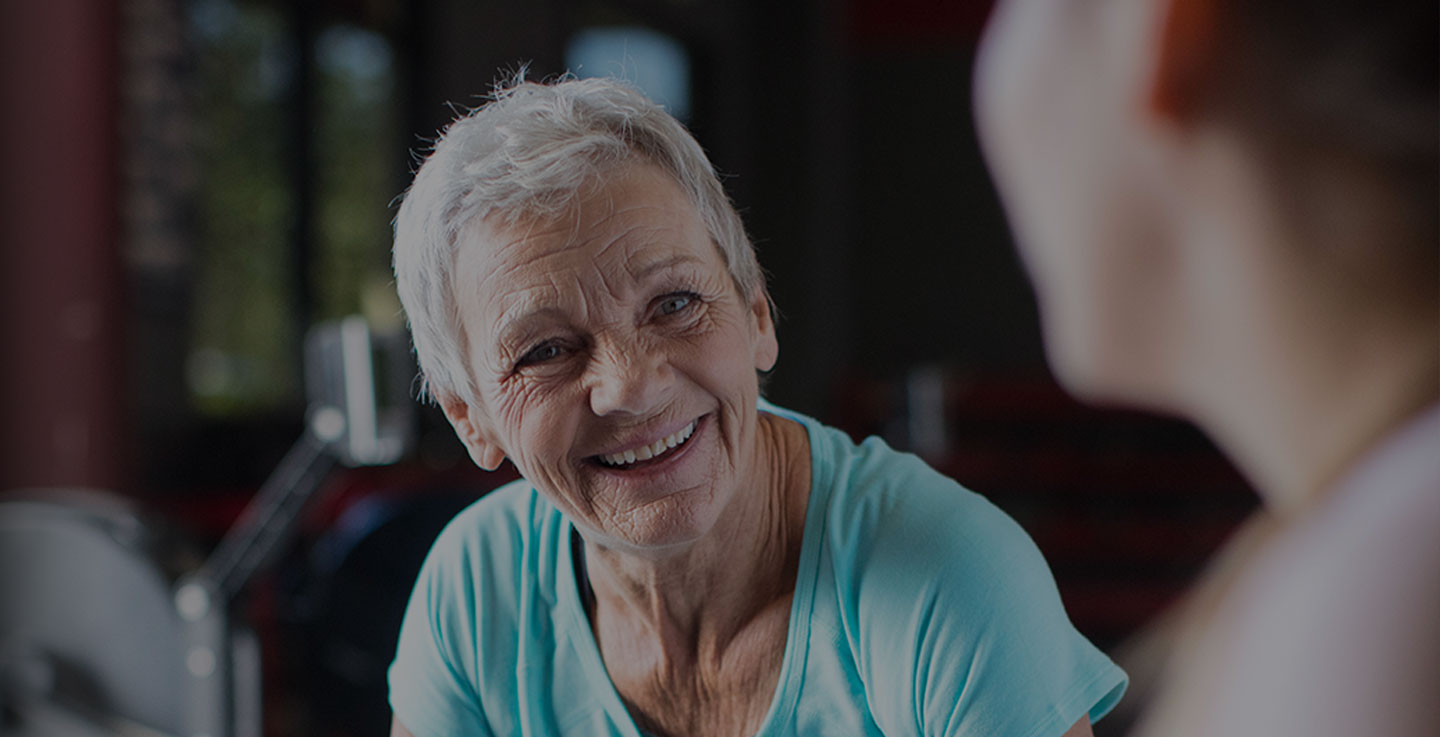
108,627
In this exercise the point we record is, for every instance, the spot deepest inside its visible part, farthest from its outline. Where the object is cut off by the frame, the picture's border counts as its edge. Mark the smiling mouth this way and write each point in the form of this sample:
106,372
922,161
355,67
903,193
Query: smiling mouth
658,450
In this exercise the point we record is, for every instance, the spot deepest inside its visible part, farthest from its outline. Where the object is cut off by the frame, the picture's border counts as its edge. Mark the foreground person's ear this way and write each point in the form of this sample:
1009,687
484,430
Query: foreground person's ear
1186,57
469,428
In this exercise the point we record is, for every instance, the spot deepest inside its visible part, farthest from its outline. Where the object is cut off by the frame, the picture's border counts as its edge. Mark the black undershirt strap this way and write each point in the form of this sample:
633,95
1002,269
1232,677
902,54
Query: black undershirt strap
582,573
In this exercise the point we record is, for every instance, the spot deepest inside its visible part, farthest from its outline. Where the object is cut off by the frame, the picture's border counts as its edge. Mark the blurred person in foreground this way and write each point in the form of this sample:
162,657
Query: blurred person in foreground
680,557
1229,212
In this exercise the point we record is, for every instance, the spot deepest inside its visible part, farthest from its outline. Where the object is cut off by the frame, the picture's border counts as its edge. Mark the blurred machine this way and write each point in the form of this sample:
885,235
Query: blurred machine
110,626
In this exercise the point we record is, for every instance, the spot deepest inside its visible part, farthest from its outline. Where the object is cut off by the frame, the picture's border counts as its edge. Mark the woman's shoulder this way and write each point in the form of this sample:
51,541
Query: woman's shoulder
892,524
491,540
505,515
467,614
869,487
882,496
943,597
879,506
847,468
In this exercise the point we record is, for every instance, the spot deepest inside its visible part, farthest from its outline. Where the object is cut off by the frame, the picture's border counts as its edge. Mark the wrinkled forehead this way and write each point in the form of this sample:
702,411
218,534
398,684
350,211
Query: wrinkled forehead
616,235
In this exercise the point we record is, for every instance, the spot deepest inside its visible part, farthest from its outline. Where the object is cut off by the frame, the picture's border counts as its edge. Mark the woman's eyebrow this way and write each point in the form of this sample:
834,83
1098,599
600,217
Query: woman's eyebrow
662,265
513,329
517,326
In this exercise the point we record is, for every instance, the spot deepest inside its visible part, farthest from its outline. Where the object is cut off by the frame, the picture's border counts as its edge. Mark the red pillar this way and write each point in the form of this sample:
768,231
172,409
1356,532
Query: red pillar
61,276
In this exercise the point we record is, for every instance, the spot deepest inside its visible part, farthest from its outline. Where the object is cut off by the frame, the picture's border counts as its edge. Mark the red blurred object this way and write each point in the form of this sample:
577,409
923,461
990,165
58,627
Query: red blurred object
911,24
61,392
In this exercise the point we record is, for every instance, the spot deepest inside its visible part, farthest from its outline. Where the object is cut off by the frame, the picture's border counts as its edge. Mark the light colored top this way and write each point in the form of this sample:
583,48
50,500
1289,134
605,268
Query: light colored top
1333,628
919,609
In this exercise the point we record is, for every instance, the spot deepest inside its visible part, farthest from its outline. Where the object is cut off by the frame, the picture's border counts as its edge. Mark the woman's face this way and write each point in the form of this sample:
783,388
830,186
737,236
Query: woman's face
615,361
1060,91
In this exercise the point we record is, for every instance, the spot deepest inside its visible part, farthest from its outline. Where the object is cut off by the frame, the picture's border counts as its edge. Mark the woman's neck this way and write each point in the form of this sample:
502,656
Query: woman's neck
1299,437
1310,330
1302,367
703,595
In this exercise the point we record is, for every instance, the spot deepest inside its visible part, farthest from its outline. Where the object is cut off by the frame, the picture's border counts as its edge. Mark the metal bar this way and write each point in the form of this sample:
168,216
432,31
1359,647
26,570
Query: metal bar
267,522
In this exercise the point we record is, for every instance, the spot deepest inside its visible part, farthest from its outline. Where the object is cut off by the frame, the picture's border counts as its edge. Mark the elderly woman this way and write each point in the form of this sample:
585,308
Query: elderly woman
680,557
1229,211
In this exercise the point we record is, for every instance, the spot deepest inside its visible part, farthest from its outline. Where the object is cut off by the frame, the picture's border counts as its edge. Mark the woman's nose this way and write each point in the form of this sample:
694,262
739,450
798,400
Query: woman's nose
629,380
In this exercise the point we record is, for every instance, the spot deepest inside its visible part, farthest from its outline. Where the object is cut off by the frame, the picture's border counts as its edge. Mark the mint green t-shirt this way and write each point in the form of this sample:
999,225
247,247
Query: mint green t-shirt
919,609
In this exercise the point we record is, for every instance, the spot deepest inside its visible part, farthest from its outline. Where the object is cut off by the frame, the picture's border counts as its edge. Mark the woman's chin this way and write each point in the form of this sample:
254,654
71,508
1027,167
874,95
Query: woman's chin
1109,376
1080,375
664,526
673,537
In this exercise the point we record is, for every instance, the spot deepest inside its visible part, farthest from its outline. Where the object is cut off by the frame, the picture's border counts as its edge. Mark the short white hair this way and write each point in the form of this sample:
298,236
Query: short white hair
528,153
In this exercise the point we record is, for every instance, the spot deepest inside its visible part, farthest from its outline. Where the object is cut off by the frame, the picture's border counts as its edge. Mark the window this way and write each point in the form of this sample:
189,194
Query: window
656,63
244,344
294,195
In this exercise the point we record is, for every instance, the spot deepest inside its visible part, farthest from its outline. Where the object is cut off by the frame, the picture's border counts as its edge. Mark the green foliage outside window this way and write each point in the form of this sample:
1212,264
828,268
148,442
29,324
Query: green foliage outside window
244,357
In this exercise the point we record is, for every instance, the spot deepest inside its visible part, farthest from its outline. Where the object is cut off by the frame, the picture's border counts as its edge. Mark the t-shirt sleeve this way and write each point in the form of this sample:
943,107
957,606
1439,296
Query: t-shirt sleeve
432,691
961,630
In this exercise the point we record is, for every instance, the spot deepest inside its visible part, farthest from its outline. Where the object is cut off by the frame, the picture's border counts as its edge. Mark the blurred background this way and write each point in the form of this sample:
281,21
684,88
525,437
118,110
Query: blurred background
189,185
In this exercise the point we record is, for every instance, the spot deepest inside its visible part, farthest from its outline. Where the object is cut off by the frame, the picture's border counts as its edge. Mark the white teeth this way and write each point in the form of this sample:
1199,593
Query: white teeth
646,452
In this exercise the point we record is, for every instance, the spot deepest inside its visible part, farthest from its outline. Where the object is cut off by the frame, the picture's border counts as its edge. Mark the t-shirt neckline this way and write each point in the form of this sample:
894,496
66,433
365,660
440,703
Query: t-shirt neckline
797,635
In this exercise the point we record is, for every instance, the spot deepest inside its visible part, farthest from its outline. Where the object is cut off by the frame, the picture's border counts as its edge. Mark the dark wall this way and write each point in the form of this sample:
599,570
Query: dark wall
935,277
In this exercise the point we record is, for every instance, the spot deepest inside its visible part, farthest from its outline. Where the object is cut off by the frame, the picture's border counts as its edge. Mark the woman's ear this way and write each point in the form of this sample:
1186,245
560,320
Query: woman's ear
767,346
471,428
1187,57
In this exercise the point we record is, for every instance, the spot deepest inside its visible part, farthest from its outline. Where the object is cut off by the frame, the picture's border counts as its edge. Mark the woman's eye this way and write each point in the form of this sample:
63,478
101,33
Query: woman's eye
541,353
675,303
